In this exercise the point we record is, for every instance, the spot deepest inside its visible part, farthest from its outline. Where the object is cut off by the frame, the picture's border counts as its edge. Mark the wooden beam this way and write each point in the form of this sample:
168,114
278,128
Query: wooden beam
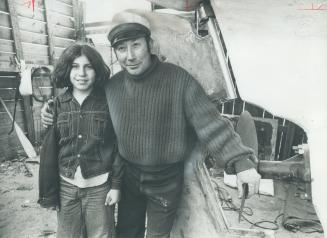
15,29
50,30
289,140
19,53
51,36
78,12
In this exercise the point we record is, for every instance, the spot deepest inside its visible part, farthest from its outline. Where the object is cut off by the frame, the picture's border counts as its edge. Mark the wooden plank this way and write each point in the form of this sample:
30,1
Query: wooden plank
7,57
58,51
5,33
62,20
76,15
32,25
7,82
38,13
27,4
37,59
69,2
19,54
80,32
7,67
64,32
63,8
3,6
4,20
7,94
29,117
288,141
98,24
15,28
6,124
61,39
78,10
34,38
40,4
50,30
7,46
35,49
63,42
11,105
7,74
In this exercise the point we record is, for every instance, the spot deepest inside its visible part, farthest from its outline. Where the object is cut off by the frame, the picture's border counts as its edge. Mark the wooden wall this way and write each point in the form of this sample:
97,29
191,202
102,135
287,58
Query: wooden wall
276,135
10,146
37,36
44,32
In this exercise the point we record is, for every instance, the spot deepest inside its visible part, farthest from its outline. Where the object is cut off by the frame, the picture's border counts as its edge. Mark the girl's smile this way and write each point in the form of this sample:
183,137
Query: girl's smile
82,75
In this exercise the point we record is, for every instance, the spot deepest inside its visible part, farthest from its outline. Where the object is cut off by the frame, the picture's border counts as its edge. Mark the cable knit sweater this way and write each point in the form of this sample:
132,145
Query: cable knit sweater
158,115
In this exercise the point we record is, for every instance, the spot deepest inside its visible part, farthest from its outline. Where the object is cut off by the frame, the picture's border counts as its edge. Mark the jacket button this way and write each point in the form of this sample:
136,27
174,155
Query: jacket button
79,155
80,136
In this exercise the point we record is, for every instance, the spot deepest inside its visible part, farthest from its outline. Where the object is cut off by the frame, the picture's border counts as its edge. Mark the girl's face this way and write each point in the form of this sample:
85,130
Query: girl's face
82,75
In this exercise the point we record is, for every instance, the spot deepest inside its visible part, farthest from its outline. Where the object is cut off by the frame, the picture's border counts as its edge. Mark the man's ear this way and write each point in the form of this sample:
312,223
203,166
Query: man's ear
151,45
154,47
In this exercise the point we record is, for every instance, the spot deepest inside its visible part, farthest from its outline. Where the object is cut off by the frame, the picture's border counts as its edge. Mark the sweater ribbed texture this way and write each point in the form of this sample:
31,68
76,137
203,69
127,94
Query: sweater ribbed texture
157,116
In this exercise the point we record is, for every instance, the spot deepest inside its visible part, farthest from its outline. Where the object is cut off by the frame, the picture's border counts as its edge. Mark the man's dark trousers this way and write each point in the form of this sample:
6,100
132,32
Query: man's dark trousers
154,192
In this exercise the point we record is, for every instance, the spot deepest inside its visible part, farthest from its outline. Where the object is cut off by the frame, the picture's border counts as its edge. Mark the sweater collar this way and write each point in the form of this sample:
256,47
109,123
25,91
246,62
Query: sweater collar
154,63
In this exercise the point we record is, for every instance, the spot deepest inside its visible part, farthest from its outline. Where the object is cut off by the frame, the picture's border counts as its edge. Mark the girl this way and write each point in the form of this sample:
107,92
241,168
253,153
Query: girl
86,145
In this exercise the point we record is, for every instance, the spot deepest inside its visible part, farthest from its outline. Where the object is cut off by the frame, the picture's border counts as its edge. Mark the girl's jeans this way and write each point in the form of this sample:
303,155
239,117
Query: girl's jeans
82,210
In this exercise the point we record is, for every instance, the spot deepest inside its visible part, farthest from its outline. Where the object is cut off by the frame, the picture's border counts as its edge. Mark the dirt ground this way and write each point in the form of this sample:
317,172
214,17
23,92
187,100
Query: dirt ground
20,215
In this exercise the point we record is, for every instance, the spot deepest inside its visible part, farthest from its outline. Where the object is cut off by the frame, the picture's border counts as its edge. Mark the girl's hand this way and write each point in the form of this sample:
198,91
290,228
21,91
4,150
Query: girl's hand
113,196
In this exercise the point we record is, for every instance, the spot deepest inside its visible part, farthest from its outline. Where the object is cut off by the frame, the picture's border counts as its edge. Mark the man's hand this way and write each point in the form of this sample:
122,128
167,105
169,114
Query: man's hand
113,196
46,115
252,178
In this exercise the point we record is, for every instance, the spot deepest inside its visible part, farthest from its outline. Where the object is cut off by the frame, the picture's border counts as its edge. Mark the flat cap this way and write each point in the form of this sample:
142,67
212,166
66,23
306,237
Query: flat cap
128,26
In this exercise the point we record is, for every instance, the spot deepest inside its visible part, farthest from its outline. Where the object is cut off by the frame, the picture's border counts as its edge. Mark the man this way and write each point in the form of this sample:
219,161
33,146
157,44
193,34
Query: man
158,111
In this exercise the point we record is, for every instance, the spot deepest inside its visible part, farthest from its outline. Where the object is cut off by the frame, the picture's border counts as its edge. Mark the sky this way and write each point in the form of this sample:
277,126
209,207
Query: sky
103,10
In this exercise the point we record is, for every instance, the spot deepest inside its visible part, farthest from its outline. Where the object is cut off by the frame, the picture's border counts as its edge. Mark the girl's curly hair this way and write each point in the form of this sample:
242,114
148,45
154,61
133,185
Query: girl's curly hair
61,72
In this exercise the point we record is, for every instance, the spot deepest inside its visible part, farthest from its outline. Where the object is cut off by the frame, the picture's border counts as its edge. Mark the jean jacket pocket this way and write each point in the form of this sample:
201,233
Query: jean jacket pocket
63,126
99,125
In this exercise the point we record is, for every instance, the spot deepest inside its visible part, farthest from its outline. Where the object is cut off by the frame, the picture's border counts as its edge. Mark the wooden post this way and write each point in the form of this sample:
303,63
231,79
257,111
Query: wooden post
288,141
28,113
78,13
48,5
50,30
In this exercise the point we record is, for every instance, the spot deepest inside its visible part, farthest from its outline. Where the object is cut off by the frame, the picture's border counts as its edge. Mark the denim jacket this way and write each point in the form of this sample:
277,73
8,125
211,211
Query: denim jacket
86,137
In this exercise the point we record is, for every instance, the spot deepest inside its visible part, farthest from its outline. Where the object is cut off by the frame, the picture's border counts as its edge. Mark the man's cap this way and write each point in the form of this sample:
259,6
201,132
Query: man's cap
128,26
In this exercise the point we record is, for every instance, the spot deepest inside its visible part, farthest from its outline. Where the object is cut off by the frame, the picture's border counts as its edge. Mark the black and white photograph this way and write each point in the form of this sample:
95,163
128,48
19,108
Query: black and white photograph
163,118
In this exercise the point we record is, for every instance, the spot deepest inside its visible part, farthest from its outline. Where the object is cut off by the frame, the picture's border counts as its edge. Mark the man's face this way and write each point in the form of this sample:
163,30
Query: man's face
133,55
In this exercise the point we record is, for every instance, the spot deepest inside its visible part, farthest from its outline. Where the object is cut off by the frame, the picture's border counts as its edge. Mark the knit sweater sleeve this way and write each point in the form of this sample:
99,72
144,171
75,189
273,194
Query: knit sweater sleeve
216,132
117,171
109,150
